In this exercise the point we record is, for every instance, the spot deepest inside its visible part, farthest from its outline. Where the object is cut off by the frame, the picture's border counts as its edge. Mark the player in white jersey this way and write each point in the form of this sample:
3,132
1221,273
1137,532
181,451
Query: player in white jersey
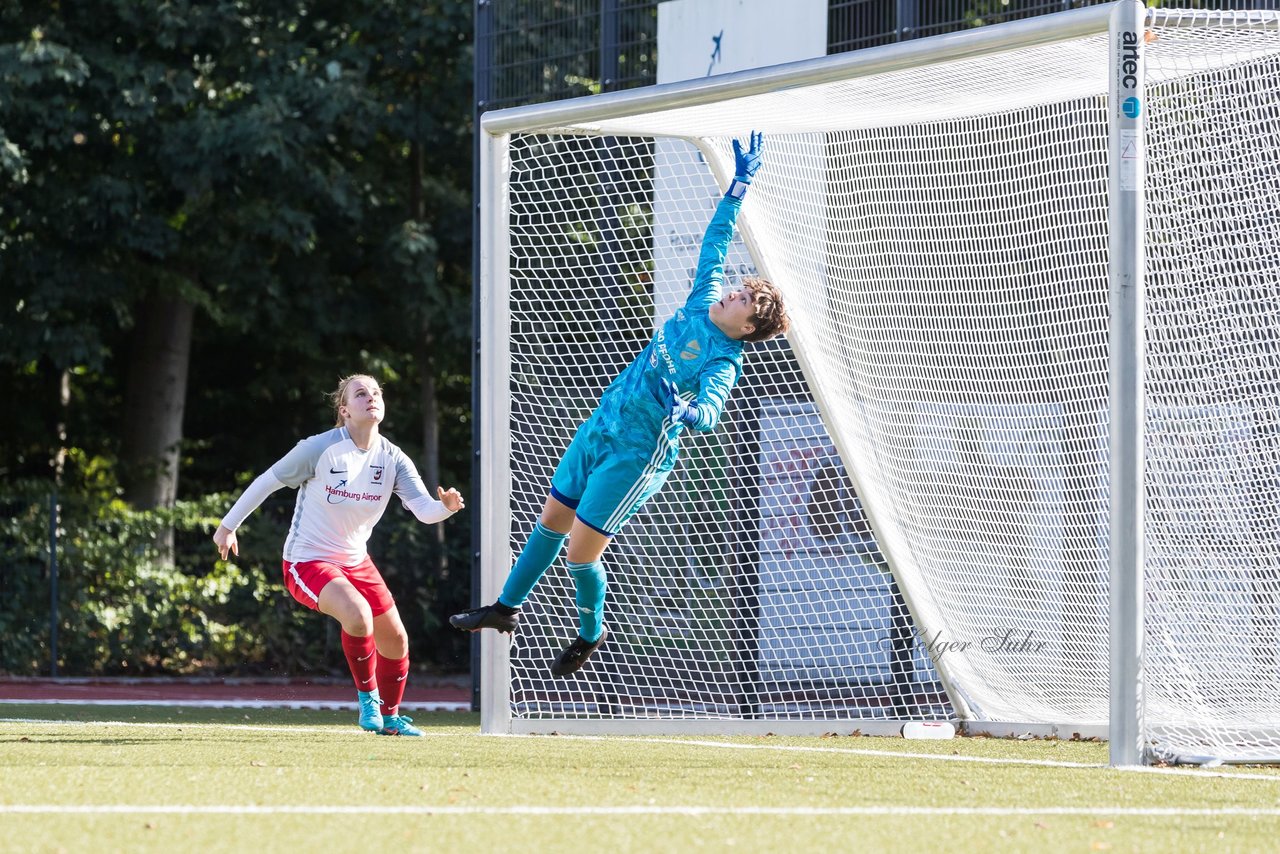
345,478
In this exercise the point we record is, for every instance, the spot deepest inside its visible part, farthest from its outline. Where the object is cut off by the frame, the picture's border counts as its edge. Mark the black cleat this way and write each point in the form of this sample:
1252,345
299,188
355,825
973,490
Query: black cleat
485,617
576,654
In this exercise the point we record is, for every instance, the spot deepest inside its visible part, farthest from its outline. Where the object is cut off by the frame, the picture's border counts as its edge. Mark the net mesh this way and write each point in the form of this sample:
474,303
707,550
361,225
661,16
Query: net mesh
751,586
944,258
1212,549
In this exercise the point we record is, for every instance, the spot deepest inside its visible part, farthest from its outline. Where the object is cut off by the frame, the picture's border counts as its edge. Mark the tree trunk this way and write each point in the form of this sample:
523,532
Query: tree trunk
426,364
64,409
430,412
155,398
431,436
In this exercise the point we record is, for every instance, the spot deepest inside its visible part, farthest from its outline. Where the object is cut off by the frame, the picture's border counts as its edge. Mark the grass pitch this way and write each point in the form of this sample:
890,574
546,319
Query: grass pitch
104,778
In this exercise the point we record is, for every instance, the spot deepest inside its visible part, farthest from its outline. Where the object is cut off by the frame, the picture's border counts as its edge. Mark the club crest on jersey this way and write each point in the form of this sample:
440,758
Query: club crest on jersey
377,473
691,351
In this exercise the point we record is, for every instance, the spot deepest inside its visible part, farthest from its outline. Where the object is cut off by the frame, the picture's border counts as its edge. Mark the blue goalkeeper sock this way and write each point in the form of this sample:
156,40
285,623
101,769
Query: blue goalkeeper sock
588,581
539,552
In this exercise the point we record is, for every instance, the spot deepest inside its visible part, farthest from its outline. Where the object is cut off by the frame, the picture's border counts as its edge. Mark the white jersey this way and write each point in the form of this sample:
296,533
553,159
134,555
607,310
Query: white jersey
343,491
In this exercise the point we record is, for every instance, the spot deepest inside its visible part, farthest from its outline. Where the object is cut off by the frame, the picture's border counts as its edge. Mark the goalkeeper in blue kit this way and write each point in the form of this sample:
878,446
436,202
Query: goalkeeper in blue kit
622,455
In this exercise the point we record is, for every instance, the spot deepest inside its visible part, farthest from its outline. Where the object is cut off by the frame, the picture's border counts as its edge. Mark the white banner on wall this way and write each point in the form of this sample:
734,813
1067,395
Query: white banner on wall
703,38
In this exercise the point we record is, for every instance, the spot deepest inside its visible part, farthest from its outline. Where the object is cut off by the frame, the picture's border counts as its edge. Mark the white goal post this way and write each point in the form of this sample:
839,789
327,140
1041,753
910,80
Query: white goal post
1016,465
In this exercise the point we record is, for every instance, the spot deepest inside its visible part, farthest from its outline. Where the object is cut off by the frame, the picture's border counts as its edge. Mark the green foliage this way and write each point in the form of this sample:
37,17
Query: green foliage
124,609
299,172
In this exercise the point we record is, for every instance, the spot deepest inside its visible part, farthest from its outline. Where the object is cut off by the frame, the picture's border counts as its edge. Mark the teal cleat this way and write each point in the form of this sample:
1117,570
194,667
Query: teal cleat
370,710
400,725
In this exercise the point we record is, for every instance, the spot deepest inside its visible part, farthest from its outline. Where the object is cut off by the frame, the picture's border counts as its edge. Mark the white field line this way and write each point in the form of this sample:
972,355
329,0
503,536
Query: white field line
336,728
940,757
530,809
433,706
725,745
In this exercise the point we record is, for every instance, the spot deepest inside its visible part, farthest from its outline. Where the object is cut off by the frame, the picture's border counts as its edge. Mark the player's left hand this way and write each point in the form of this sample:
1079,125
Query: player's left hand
681,410
451,499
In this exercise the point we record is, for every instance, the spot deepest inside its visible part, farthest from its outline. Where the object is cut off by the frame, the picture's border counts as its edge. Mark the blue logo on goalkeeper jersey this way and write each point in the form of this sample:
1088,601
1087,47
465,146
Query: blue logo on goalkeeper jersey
693,350
1131,106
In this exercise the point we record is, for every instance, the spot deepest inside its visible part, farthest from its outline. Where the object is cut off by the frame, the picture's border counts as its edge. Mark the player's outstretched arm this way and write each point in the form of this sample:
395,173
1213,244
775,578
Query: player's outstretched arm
416,498
253,496
709,278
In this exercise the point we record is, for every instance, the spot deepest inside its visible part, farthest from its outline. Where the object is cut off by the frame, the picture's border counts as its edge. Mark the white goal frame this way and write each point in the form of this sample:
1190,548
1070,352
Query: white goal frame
1126,279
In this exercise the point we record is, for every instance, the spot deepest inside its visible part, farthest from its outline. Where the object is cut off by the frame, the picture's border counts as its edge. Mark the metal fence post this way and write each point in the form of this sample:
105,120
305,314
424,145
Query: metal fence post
609,38
483,71
53,583
906,21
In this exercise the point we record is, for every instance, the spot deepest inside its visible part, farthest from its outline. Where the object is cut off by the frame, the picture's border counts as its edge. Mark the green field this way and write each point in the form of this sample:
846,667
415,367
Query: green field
108,778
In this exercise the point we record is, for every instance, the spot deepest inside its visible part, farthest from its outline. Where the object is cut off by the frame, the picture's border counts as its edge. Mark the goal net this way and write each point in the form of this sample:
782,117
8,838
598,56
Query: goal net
904,513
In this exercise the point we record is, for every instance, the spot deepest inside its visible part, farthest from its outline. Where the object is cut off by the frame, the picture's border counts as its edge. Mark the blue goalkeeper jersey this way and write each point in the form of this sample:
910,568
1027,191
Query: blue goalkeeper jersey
689,350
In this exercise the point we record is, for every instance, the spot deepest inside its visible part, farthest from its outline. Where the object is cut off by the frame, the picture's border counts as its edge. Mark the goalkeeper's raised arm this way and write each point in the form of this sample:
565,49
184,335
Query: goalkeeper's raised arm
621,457
709,278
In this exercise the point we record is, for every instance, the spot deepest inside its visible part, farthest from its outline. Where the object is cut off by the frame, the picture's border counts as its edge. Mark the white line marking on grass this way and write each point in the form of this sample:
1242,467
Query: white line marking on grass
441,706
941,757
786,748
166,725
516,809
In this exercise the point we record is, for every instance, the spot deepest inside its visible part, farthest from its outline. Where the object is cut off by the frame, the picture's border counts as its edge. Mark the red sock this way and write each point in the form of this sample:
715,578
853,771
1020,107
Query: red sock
361,657
392,674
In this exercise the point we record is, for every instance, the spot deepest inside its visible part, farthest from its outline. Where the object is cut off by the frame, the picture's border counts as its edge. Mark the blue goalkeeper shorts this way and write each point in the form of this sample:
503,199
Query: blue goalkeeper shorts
606,482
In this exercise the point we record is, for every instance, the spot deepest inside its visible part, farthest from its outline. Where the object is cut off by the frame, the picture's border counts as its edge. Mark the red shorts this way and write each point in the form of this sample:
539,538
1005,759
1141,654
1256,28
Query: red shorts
305,580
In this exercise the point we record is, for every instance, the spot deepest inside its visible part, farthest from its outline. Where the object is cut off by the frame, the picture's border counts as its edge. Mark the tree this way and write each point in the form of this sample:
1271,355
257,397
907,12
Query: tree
421,70
233,202
238,162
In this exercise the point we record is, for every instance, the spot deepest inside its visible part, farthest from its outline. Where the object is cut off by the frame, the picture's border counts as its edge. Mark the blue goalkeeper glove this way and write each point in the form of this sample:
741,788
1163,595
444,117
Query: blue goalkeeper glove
745,164
681,411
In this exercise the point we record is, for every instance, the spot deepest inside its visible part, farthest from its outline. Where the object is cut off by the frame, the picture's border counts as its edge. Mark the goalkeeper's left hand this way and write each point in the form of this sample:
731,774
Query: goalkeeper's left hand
745,164
681,411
